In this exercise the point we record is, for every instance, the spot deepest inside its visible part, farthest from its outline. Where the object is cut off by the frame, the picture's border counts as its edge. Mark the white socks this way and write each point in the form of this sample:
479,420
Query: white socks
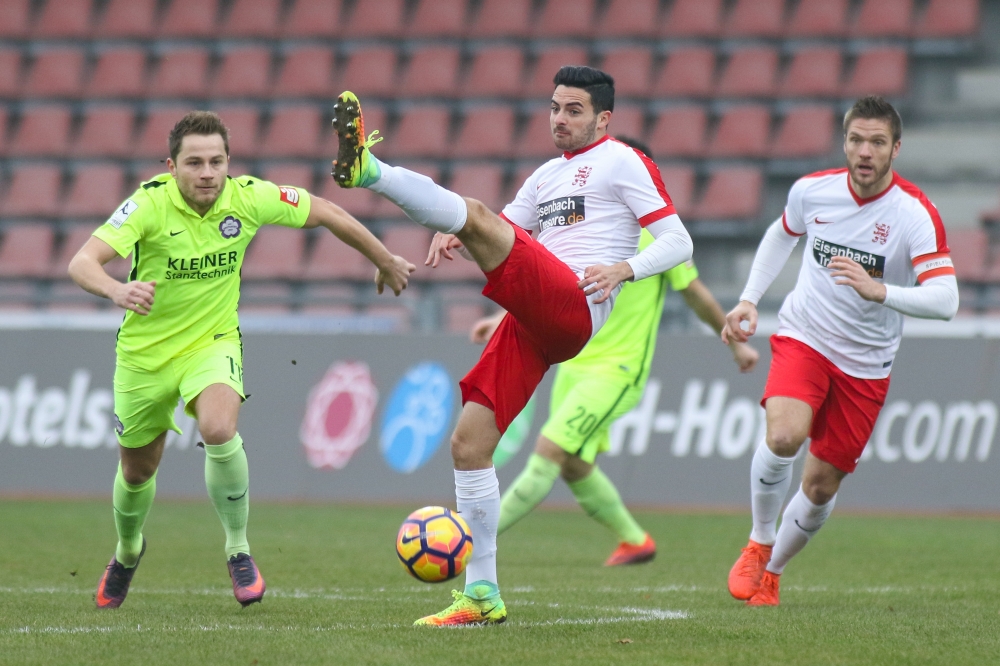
802,519
770,479
424,201
478,495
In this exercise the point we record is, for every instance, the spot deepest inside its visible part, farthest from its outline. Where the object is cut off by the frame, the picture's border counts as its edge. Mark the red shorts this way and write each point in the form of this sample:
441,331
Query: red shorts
844,407
548,322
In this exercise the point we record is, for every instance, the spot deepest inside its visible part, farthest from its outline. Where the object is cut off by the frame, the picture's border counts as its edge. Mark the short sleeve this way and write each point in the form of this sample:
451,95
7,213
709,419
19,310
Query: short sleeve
682,275
284,205
638,183
523,210
126,225
792,219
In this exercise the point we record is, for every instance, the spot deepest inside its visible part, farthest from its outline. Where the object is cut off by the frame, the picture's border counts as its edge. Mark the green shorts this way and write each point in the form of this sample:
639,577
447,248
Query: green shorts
145,400
582,409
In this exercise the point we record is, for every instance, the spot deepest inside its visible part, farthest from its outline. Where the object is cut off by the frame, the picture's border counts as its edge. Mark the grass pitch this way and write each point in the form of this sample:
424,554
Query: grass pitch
867,590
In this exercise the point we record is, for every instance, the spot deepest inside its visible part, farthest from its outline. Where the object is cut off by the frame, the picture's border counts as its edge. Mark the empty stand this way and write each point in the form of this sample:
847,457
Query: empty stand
119,72
293,173
269,298
750,72
43,131
431,72
688,72
275,253
883,18
628,120
548,63
190,18
333,259
242,122
462,307
630,18
106,132
818,18
3,130
10,73
294,131
313,18
127,18
56,73
438,18
536,139
181,72
96,192
565,18
370,71
329,299
238,167
410,242
756,18
813,72
969,251
487,131
521,175
693,18
16,18
630,67
805,132
949,18
73,239
26,250
358,201
245,72
483,182
743,131
880,71
496,71
64,19
253,18
152,141
731,193
679,181
306,72
422,132
376,19
502,18
679,132
69,297
32,191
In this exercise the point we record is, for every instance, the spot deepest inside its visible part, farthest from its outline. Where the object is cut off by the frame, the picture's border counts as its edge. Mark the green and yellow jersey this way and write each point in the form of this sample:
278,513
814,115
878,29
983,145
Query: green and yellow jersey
194,259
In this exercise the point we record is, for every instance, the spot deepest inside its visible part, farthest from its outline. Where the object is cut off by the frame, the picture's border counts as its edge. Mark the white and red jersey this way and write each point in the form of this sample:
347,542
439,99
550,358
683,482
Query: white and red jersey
589,206
897,236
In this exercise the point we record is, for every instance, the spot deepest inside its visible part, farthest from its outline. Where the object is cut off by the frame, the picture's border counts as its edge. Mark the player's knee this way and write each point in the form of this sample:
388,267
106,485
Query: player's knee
819,489
217,432
476,211
468,453
137,472
785,442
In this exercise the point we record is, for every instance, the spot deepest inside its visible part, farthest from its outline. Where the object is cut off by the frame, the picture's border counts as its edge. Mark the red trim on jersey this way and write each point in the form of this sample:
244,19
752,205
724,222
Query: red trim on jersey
788,231
649,218
661,189
933,255
914,191
569,154
861,201
935,272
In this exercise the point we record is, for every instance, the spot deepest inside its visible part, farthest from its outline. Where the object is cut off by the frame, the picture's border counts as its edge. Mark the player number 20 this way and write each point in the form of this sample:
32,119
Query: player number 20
587,422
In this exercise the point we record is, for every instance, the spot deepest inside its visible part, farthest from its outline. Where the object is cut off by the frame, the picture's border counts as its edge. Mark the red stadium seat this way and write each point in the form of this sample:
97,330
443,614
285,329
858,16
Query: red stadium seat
432,72
128,18
422,132
72,241
307,72
807,131
488,131
688,72
693,18
497,71
502,18
96,192
743,131
64,18
949,18
190,18
521,175
756,18
182,72
44,131
880,71
731,193
883,18
275,253
630,18
3,130
630,67
359,202
679,132
243,129
32,191
814,72
536,139
245,72
10,73
313,18
438,18
299,174
750,72
370,71
120,72
376,19
627,120
56,73
818,18
410,242
333,259
152,141
16,17
679,181
548,64
565,18
253,18
483,182
294,132
26,250
969,249
106,132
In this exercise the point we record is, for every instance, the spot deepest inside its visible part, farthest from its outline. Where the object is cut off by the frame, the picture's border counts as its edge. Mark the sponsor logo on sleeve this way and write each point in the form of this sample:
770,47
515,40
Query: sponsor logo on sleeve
230,227
562,212
824,251
122,214
289,195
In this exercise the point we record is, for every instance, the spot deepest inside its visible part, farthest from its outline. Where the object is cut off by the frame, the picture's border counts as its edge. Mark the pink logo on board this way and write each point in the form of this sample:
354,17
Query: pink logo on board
338,416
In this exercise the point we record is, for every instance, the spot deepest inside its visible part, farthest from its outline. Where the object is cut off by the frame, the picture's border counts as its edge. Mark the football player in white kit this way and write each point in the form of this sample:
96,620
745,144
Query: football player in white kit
870,237
587,208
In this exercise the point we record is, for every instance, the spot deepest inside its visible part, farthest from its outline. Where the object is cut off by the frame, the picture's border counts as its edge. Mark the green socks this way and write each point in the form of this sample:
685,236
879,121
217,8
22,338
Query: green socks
227,478
600,499
528,489
131,504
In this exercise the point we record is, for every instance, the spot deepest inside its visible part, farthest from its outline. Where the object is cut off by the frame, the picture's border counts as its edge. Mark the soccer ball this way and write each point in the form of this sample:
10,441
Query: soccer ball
434,544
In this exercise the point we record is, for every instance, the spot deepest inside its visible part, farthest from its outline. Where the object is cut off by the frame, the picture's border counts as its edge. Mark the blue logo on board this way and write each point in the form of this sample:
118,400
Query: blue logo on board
416,417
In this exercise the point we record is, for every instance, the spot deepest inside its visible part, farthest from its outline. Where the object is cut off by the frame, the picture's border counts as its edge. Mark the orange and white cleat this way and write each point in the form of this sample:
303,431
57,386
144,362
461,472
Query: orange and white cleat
630,553
745,576
248,584
767,595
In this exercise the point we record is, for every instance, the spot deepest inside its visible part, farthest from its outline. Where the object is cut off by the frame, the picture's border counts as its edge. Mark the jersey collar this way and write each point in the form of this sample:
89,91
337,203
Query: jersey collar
862,201
224,202
570,154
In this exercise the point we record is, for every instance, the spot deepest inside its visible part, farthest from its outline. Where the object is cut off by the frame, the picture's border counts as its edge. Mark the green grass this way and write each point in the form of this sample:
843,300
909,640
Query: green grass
868,590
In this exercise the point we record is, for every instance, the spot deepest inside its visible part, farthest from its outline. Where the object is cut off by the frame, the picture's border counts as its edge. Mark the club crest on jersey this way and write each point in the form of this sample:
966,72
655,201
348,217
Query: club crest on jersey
580,179
881,234
824,251
562,212
230,227
289,195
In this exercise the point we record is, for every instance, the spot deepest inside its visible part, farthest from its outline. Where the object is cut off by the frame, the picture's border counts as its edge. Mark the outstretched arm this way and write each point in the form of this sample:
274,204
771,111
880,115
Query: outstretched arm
87,270
703,304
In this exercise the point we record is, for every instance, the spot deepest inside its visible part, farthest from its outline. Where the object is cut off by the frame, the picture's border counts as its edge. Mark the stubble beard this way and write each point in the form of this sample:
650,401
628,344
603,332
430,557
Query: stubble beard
585,140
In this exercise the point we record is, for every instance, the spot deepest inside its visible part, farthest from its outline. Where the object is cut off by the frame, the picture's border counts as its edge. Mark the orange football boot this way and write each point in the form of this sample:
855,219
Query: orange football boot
744,577
630,553
248,584
767,595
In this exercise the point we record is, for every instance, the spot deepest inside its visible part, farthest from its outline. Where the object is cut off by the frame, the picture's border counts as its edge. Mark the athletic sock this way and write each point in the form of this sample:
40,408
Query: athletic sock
227,478
770,479
800,522
600,499
424,201
478,495
131,505
528,489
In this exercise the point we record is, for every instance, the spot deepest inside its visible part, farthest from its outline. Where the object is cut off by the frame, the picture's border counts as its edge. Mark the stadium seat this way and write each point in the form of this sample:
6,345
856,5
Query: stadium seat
806,131
750,72
3,130
244,73
548,63
299,174
32,191
10,73
487,131
496,71
630,18
949,18
483,182
127,18
242,122
294,131
16,18
181,72
813,72
73,239
370,71
438,18
628,120
679,181
120,72
152,142
969,250
879,71
190,18
43,132
333,259
818,18
743,131
106,132
67,296
96,192
565,18
267,298
331,299
61,19
56,73
679,132
756,18
313,18
502,18
26,250
423,131
253,18
536,138
410,242
359,202
521,174
883,18
307,72
693,18
630,67
732,193
376,19
688,72
431,72
275,253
